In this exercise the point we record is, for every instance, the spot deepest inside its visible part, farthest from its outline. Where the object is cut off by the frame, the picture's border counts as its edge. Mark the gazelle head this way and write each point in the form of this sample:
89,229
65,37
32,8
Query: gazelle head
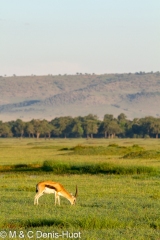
73,200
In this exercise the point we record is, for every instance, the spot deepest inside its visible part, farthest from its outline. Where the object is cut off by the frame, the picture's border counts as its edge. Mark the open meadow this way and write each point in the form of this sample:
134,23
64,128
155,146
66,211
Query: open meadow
118,189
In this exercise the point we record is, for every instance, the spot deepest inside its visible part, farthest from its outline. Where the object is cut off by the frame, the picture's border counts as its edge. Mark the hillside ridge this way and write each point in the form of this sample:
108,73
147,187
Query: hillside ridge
28,97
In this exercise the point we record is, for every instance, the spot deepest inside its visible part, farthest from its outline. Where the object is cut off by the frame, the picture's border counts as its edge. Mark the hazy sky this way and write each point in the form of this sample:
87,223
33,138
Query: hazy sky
85,36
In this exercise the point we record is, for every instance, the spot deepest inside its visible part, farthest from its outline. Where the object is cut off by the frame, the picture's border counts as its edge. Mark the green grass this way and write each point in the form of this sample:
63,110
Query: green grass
118,198
99,168
111,149
122,205
148,154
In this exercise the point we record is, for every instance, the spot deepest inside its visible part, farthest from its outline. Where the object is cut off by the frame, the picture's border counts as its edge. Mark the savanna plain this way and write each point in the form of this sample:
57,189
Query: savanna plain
118,188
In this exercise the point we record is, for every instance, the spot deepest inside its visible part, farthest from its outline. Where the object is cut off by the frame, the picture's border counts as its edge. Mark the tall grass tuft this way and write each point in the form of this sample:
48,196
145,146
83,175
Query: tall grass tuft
98,168
111,149
56,167
89,222
147,154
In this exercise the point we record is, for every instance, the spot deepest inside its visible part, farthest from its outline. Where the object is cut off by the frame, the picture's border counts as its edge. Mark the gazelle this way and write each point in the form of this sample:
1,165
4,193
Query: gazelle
54,187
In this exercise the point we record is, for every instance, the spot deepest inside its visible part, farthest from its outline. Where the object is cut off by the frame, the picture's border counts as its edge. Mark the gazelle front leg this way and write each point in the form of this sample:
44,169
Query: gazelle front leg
37,196
57,198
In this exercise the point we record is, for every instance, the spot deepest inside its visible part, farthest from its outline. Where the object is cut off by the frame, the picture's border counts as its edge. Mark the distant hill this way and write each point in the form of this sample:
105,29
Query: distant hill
47,97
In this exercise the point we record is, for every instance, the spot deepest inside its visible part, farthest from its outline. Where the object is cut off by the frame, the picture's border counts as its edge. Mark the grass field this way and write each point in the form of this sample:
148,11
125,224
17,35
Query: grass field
118,188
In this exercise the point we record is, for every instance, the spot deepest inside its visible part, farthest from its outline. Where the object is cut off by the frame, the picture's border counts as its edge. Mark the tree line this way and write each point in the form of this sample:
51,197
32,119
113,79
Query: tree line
88,126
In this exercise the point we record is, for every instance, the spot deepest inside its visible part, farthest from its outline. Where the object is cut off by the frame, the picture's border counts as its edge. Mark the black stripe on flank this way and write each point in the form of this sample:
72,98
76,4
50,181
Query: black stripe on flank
51,187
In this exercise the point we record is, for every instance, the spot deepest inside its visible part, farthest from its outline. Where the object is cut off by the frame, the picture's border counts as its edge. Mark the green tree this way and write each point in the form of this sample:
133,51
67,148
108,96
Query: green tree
122,122
155,127
5,130
122,117
47,128
77,128
91,117
105,124
55,125
113,129
145,125
108,117
62,125
38,127
19,127
91,127
30,129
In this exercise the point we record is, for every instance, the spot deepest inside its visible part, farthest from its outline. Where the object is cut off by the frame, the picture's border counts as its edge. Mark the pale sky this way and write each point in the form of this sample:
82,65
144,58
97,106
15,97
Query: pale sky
87,36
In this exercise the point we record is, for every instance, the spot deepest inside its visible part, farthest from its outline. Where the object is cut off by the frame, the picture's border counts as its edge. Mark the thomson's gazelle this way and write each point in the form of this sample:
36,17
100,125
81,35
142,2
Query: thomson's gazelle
53,187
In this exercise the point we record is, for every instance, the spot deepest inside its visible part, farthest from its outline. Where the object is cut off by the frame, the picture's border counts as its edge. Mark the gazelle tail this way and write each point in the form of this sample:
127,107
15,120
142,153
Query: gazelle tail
36,188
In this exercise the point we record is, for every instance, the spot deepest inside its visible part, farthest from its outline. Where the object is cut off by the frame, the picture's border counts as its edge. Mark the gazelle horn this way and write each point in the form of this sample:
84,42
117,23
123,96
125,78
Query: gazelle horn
76,194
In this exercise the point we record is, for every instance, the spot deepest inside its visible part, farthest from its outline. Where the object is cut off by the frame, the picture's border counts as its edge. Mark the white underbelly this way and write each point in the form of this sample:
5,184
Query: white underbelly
48,190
